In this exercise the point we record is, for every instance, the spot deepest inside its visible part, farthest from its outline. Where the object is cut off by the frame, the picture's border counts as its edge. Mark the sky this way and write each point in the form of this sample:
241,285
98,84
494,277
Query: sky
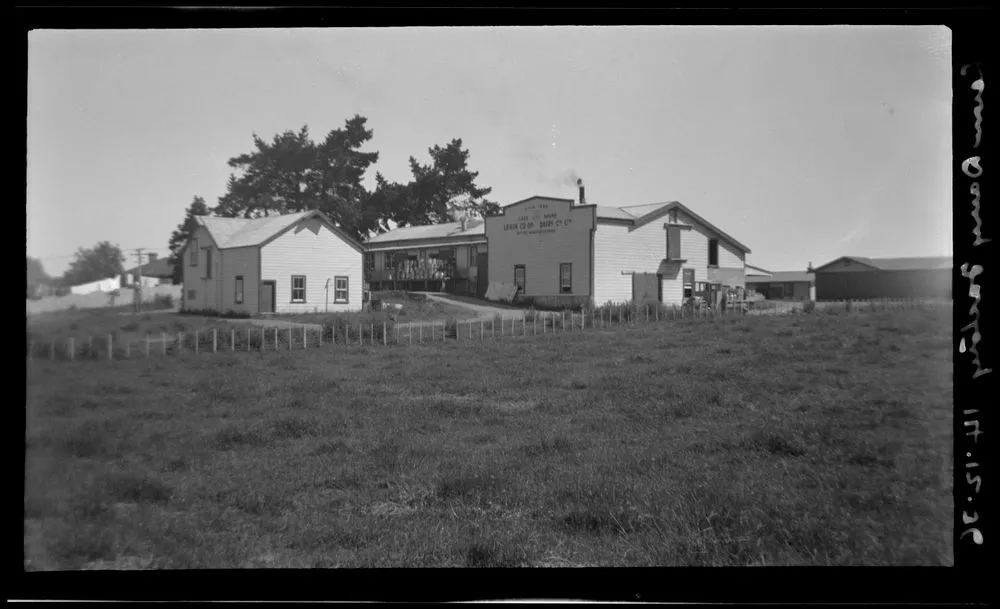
804,143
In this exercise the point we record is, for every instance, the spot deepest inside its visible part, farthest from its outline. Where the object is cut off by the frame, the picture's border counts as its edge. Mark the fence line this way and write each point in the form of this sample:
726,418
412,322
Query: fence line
337,335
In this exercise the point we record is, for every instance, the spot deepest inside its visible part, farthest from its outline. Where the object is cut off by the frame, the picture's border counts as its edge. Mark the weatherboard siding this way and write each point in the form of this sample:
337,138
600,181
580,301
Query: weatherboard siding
310,248
240,261
194,277
619,252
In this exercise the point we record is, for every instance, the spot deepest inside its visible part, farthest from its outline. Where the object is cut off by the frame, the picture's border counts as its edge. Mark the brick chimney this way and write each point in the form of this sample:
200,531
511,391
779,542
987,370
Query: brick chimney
465,222
152,257
583,199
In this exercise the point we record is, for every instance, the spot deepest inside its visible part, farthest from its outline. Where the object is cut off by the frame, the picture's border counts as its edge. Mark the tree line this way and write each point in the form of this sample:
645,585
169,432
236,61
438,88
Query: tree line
292,173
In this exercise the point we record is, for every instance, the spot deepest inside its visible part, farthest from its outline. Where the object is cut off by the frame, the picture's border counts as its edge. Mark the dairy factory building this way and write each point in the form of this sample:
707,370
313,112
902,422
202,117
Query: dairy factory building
561,252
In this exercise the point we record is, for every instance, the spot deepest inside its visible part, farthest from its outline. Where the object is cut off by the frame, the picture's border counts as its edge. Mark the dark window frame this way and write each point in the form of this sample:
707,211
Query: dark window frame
346,290
208,262
303,288
713,244
388,260
238,288
192,294
566,289
193,255
688,287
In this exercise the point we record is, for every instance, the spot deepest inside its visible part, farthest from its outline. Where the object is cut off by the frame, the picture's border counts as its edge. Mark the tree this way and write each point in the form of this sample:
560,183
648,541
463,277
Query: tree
292,173
180,236
442,191
99,262
36,275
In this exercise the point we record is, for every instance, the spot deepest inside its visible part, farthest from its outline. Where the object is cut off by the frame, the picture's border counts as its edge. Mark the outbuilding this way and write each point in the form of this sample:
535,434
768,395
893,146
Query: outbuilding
784,285
560,252
292,263
855,277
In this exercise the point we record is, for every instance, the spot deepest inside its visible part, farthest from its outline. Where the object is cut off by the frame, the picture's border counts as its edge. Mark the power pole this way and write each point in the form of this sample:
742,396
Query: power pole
137,292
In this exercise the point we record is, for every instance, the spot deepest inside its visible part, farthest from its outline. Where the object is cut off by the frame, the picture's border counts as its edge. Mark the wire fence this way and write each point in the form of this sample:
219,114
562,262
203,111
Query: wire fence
387,333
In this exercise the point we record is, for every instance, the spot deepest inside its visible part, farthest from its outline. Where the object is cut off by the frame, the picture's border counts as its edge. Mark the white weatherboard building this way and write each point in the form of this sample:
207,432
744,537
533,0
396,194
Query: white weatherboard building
563,253
293,263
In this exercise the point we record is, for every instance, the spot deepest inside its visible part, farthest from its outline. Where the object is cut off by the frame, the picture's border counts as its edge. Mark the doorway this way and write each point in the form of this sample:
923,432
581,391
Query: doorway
267,296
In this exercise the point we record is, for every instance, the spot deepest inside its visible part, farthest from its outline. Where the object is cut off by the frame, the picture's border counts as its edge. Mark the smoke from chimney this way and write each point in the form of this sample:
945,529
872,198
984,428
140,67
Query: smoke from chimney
583,199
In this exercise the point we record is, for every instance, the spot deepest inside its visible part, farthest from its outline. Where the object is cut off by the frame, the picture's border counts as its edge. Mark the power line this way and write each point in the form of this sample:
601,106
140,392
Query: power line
123,250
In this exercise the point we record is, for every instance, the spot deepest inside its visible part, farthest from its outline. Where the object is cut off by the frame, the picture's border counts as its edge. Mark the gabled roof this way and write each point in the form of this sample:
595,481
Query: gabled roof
230,233
783,277
639,215
922,263
160,267
473,228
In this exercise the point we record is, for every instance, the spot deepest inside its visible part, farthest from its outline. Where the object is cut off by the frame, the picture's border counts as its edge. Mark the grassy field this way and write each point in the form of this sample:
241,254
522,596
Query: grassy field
798,440
414,308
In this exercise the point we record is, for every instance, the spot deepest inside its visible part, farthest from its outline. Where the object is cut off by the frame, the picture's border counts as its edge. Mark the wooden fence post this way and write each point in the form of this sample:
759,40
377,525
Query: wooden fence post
147,344
470,329
305,337
52,351
163,343
90,346
196,341
72,350
384,340
111,348
180,342
232,340
493,326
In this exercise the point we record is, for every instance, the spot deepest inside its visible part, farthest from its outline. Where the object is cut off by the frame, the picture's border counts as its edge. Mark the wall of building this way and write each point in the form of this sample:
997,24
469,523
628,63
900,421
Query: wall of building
839,285
244,261
541,234
310,248
619,252
207,290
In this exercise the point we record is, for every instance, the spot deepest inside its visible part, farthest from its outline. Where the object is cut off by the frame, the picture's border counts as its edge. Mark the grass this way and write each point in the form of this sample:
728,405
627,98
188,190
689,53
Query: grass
92,326
799,440
415,308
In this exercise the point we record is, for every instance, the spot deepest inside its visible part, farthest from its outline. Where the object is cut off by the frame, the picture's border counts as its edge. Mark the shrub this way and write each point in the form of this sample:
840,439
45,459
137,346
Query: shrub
809,306
163,301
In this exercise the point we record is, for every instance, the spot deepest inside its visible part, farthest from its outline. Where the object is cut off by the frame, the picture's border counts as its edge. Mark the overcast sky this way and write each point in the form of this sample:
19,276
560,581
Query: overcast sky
804,143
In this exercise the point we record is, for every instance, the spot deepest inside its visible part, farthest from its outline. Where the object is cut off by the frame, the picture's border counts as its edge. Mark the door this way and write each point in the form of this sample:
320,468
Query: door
482,276
645,287
267,297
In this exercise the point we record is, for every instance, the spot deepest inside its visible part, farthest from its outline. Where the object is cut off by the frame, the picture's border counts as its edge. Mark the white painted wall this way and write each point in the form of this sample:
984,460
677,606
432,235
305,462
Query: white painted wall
541,249
643,250
310,248
102,285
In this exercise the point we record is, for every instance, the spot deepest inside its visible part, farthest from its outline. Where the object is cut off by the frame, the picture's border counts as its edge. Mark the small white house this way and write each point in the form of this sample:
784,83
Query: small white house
293,263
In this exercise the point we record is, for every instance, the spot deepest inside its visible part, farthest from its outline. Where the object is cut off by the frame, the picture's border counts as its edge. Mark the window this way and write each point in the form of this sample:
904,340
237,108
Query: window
298,288
239,289
389,260
566,278
340,289
370,261
208,263
673,243
673,216
789,290
191,294
473,254
713,252
519,277
194,252
688,282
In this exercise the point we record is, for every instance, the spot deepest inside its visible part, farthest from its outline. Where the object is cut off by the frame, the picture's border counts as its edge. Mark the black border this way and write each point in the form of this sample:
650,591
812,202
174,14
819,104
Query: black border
965,583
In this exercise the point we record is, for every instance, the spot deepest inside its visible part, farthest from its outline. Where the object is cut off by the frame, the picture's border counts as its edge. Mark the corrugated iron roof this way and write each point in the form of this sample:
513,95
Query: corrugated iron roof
758,270
613,213
244,232
918,263
783,277
474,228
160,267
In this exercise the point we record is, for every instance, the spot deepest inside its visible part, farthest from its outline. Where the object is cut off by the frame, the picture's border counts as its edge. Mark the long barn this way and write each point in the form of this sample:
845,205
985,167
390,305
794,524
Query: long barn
855,277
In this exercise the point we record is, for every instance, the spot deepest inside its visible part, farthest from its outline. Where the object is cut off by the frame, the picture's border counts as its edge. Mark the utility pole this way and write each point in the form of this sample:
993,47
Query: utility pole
137,292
